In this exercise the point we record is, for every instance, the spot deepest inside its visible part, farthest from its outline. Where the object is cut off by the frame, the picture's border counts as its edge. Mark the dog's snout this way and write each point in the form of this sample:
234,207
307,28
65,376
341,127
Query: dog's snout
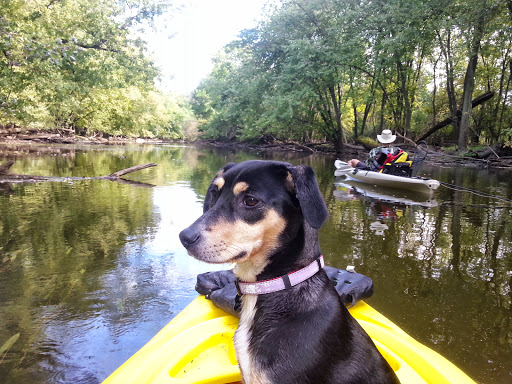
188,237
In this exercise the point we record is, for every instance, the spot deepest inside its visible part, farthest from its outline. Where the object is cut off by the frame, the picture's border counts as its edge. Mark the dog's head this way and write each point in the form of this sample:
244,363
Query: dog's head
253,209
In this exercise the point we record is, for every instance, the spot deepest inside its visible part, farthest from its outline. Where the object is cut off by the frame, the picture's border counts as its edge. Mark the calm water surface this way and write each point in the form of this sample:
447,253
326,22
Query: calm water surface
91,270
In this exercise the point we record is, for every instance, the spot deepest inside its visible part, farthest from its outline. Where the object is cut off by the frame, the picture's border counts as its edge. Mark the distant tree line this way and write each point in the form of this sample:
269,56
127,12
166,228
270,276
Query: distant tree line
338,70
79,65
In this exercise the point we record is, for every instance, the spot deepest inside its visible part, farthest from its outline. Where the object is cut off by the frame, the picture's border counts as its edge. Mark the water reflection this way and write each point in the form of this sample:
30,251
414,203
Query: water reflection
378,227
351,190
381,204
90,271
444,270
151,281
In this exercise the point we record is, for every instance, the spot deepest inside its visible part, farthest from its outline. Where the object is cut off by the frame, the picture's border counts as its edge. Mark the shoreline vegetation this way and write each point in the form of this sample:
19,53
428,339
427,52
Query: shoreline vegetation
15,141
312,76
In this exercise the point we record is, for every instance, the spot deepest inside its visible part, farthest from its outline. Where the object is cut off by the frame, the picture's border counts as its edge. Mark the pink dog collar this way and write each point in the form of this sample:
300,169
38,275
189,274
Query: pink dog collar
280,283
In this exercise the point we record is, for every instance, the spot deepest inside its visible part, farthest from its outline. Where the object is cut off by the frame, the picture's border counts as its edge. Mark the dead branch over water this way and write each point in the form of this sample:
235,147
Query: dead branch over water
8,177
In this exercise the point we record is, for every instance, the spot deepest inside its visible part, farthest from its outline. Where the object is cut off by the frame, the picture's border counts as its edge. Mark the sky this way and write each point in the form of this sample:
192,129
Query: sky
193,37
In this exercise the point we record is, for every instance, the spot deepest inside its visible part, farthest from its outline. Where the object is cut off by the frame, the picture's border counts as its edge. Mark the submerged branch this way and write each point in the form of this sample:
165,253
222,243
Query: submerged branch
136,168
8,177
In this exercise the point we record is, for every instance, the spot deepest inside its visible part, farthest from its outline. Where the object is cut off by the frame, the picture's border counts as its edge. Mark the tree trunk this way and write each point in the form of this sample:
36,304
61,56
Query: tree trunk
504,102
495,122
368,106
382,106
354,107
367,109
450,87
469,84
407,112
337,114
434,91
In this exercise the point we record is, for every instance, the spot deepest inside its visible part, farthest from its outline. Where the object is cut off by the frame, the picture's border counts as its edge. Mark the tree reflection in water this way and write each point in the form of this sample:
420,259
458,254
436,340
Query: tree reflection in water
90,271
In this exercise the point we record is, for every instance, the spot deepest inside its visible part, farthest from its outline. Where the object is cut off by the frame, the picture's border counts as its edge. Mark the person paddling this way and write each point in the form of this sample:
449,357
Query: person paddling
378,156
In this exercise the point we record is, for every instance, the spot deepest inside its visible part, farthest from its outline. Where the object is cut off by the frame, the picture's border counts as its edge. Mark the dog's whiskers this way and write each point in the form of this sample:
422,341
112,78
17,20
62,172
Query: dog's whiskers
234,250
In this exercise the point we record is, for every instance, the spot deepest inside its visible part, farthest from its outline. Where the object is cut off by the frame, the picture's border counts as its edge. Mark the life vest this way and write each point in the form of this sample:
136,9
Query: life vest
397,164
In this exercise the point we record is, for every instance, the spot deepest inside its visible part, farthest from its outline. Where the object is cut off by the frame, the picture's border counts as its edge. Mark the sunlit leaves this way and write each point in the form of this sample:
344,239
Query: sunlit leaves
77,64
322,69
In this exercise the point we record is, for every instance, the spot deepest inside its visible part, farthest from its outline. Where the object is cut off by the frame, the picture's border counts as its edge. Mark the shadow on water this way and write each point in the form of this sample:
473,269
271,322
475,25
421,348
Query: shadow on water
91,270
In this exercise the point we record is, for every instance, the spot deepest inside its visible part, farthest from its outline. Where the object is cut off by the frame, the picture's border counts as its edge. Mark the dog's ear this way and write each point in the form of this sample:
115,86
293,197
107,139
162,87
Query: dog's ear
310,199
213,189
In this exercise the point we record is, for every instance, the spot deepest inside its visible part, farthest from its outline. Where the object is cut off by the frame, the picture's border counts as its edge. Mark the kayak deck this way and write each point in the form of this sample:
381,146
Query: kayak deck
197,347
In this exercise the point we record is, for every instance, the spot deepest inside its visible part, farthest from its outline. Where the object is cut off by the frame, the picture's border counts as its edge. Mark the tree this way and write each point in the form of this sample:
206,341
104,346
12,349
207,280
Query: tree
337,69
71,64
478,20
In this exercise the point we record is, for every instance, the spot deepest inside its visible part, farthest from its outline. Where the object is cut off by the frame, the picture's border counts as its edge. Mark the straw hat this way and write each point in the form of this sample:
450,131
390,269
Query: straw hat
386,137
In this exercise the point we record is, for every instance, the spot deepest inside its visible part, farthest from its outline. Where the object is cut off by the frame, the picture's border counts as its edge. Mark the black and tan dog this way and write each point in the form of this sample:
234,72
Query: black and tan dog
265,216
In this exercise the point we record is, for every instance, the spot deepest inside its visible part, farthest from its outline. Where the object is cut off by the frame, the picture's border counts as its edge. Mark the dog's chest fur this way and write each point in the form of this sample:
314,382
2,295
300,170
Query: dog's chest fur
242,340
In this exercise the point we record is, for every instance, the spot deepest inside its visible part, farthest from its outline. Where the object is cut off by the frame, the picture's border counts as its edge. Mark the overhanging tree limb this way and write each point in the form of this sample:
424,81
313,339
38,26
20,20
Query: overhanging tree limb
477,101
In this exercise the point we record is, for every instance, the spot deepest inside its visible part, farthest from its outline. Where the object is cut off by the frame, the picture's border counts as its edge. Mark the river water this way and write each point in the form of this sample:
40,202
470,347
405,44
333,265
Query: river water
91,270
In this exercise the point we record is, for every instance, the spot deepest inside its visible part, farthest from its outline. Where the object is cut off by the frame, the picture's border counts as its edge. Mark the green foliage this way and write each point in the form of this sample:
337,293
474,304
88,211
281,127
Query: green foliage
317,70
368,141
78,64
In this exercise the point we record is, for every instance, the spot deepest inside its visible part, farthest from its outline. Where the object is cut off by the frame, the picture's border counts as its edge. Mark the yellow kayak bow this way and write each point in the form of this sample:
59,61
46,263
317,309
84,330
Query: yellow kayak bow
196,347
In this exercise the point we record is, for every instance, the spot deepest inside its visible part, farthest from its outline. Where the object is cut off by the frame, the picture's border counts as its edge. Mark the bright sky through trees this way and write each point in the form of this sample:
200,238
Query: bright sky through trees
198,32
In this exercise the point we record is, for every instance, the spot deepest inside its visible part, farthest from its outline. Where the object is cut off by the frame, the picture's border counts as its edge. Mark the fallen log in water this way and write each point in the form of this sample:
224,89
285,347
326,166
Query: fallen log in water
8,177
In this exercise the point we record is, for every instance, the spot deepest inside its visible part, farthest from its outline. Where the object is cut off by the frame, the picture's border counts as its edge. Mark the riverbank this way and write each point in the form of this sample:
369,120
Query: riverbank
61,136
25,141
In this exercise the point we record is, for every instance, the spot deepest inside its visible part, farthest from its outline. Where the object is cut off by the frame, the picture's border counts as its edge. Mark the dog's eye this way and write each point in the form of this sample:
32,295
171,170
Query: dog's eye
250,201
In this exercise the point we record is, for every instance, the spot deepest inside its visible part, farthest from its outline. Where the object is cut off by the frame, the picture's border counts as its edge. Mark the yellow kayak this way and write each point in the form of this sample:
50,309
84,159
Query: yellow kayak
197,347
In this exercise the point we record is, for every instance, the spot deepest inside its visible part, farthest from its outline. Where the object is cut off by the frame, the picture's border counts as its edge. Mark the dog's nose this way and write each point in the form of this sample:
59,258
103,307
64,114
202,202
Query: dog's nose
188,237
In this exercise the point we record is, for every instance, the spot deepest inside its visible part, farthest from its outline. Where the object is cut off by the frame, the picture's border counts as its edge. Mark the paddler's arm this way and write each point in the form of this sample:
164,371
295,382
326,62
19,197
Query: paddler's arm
355,163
